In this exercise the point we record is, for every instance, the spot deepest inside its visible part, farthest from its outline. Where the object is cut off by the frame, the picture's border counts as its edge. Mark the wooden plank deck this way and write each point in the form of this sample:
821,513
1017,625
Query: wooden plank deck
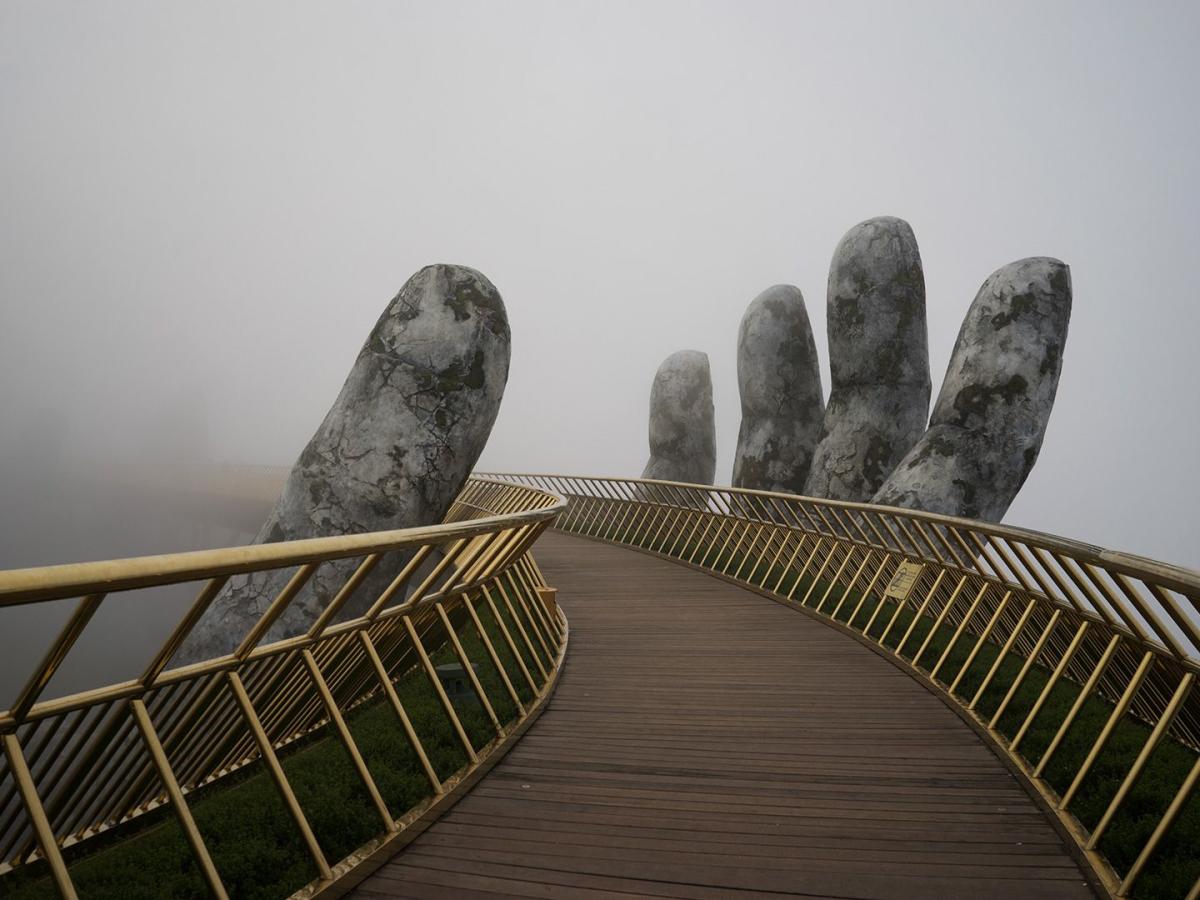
707,743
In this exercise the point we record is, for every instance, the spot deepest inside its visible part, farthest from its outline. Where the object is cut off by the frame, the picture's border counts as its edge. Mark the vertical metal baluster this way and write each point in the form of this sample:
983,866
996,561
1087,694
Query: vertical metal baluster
900,606
804,569
469,668
979,644
837,575
508,640
1164,824
1152,742
1049,686
1029,663
493,655
37,817
436,684
343,730
958,632
414,741
178,801
267,750
937,622
1003,654
1080,699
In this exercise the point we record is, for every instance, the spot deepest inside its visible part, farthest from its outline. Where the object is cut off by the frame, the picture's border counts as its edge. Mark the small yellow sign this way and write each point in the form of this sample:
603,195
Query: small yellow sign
903,581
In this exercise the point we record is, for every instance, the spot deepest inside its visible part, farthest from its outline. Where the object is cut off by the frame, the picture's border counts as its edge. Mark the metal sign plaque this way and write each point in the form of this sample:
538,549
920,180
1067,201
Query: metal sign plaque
902,582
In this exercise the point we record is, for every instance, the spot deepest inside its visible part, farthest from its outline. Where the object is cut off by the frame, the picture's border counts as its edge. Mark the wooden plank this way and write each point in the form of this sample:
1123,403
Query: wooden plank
706,743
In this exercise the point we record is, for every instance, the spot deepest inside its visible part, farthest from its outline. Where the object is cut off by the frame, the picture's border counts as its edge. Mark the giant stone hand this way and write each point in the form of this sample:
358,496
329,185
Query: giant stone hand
393,451
991,415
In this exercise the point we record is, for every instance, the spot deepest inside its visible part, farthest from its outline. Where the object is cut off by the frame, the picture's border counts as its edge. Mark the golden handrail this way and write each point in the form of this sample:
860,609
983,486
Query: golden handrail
77,766
1122,627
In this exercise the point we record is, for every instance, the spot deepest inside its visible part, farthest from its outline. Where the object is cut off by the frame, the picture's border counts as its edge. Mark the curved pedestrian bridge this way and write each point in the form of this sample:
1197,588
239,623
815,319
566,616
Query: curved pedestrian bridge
706,743
764,696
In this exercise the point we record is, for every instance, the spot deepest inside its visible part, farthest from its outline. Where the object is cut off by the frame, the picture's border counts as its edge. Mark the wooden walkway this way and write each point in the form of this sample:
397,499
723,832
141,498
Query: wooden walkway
705,742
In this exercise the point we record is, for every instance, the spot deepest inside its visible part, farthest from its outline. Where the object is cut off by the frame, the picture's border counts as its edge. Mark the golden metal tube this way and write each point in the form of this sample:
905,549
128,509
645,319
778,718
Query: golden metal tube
1163,633
1013,566
435,573
18,586
1118,711
833,548
275,610
1029,662
163,658
1152,742
335,716
733,523
1164,824
751,553
937,622
519,576
1030,566
469,668
787,566
983,638
691,519
334,606
866,594
710,518
962,626
1003,654
410,733
1081,698
504,633
398,582
468,564
654,512
55,655
920,611
529,617
436,684
1177,613
37,817
493,655
178,802
784,534
1129,619
853,581
667,523
267,750
533,654
836,576
547,603
742,528
1049,686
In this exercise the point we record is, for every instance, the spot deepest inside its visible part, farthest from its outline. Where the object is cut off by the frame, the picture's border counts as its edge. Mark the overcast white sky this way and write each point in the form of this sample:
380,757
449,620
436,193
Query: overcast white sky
204,207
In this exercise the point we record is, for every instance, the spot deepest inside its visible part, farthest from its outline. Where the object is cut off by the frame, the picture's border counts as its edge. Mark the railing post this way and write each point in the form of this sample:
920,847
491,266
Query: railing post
37,817
178,801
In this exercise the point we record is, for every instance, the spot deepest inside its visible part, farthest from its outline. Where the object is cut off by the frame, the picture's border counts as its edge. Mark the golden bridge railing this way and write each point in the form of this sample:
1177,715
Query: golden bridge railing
77,766
1118,627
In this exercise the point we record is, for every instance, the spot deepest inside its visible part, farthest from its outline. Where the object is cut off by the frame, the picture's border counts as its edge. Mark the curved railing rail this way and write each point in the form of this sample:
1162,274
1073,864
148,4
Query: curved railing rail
80,765
1000,620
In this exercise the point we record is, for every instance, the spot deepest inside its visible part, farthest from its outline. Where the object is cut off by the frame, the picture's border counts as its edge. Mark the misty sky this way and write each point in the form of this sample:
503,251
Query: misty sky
205,206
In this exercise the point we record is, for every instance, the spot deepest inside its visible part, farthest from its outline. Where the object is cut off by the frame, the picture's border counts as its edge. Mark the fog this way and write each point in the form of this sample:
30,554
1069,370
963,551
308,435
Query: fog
206,207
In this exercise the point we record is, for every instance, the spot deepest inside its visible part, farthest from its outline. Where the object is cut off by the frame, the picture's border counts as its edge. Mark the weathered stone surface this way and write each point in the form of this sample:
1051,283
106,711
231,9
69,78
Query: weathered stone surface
392,452
779,379
991,415
683,432
878,359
